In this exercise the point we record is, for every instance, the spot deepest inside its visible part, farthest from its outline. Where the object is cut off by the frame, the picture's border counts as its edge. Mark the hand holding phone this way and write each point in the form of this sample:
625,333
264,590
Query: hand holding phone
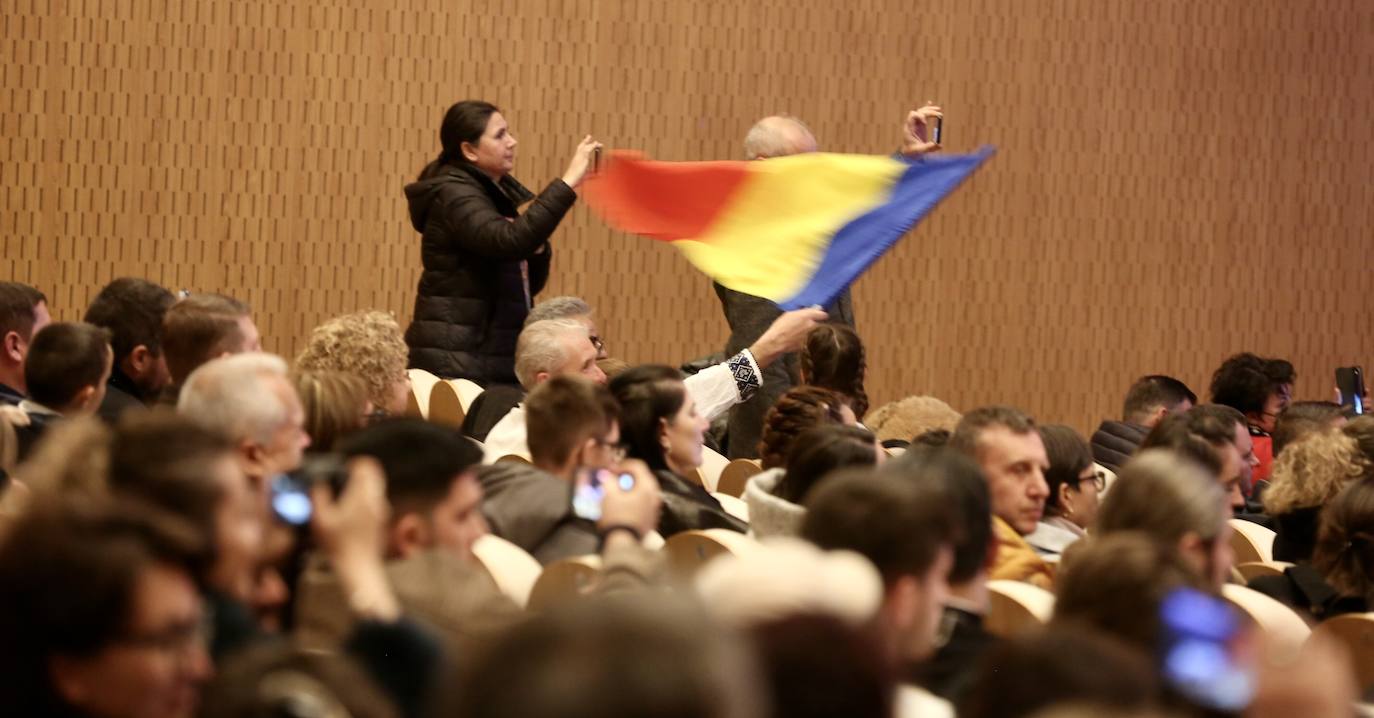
290,492
626,495
1350,384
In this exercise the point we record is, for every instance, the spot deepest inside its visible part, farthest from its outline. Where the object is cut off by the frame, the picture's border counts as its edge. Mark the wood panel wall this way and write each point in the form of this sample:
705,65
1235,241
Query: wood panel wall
1176,180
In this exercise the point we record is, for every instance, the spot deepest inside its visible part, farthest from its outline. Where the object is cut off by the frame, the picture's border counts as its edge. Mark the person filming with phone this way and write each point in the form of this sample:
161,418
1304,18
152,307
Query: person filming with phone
484,261
581,490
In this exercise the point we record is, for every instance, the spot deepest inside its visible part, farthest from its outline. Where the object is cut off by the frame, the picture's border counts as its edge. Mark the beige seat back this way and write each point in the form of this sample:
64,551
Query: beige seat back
688,551
1015,607
514,570
1284,627
736,474
564,580
1251,542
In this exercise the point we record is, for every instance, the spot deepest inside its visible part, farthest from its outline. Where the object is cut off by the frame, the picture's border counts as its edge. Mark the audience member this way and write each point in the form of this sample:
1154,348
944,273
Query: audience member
1306,478
132,310
1173,500
1074,483
776,496
249,399
1340,577
816,666
748,315
622,657
1150,399
66,371
904,528
1116,583
573,427
23,313
799,409
576,309
1260,390
335,404
1004,442
100,615
1361,429
899,422
1305,417
563,346
1223,430
278,679
202,327
833,358
368,345
961,641
1070,664
660,426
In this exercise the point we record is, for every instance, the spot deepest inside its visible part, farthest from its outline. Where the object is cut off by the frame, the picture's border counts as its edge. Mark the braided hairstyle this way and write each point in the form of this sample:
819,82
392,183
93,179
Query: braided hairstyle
801,408
833,358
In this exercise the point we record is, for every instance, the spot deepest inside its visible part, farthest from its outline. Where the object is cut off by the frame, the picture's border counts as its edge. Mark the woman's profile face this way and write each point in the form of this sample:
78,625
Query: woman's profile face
494,152
681,436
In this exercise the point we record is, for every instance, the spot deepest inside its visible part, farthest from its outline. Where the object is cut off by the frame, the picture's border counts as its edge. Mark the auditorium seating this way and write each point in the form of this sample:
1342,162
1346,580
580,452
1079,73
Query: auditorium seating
514,570
736,475
1015,608
1251,542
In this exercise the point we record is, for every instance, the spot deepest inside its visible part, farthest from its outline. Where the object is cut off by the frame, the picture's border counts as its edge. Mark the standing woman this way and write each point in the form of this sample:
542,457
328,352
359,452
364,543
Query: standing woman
483,260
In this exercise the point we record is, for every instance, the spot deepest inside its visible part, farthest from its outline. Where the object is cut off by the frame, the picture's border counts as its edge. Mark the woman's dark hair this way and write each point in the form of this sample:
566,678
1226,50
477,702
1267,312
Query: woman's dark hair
1302,418
69,567
820,451
464,122
833,358
1069,455
1241,382
647,395
801,408
1344,551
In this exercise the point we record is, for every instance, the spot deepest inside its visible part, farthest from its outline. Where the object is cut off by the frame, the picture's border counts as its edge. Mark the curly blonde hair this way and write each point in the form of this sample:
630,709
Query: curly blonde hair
911,417
1313,471
368,345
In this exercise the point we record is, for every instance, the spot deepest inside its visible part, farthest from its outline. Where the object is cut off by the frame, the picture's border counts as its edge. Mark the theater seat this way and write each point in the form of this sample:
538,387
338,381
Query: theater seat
444,405
467,392
417,399
1255,569
1015,607
688,551
736,474
712,463
1251,542
564,580
733,506
1285,628
1354,631
514,570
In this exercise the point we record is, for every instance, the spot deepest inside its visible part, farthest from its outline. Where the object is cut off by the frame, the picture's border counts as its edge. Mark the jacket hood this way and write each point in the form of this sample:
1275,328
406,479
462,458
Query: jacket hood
423,194
768,514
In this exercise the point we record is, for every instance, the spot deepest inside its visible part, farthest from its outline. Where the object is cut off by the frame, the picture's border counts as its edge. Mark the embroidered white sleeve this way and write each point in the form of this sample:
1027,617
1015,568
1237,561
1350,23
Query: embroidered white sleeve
717,388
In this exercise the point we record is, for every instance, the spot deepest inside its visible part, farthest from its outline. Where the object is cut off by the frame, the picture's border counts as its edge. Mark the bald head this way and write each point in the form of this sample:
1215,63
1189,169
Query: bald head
778,136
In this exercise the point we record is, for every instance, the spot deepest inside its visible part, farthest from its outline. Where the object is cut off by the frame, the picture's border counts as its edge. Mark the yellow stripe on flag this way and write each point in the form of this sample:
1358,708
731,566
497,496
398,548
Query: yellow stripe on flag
771,238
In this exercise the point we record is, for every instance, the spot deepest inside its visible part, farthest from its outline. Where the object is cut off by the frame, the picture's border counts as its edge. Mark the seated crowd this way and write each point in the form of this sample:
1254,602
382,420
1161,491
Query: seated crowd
192,526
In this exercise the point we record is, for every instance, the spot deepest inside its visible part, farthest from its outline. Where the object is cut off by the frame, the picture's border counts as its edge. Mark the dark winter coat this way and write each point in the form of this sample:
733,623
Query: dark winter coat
483,264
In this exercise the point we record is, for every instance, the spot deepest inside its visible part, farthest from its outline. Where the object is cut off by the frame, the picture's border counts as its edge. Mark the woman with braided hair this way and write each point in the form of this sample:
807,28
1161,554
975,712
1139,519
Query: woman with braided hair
833,358
801,408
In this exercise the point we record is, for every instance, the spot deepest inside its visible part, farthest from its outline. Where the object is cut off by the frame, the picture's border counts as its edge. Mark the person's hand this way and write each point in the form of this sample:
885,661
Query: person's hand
352,533
581,162
786,334
916,131
639,507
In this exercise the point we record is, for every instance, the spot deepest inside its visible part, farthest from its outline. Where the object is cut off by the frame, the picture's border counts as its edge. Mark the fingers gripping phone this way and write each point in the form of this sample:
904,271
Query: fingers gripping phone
589,491
1350,382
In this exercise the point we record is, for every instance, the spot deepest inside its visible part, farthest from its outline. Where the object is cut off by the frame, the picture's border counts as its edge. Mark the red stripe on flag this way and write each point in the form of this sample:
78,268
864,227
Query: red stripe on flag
663,200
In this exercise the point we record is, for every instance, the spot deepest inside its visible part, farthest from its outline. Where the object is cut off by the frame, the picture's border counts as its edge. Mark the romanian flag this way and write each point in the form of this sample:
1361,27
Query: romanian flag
796,230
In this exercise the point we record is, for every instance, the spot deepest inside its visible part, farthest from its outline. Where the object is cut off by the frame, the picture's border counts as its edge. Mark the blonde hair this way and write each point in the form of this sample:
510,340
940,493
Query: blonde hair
333,402
911,417
368,345
1311,471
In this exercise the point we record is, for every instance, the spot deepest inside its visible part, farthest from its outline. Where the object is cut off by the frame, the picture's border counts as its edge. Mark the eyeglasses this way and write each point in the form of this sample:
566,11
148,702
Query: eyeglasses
175,639
618,450
596,342
1099,479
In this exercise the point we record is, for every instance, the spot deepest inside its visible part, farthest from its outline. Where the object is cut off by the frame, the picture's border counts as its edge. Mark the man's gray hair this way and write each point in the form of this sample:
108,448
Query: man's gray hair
234,396
541,348
559,308
768,137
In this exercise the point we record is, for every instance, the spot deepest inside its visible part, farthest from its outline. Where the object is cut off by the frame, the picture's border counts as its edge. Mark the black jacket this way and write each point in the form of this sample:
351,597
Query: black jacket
483,264
962,644
749,317
1114,442
689,507
121,395
1295,534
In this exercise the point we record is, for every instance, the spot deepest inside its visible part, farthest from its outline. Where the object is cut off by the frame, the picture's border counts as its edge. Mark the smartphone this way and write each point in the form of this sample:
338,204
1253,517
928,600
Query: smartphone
290,492
1201,656
939,130
1350,382
589,491
596,160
